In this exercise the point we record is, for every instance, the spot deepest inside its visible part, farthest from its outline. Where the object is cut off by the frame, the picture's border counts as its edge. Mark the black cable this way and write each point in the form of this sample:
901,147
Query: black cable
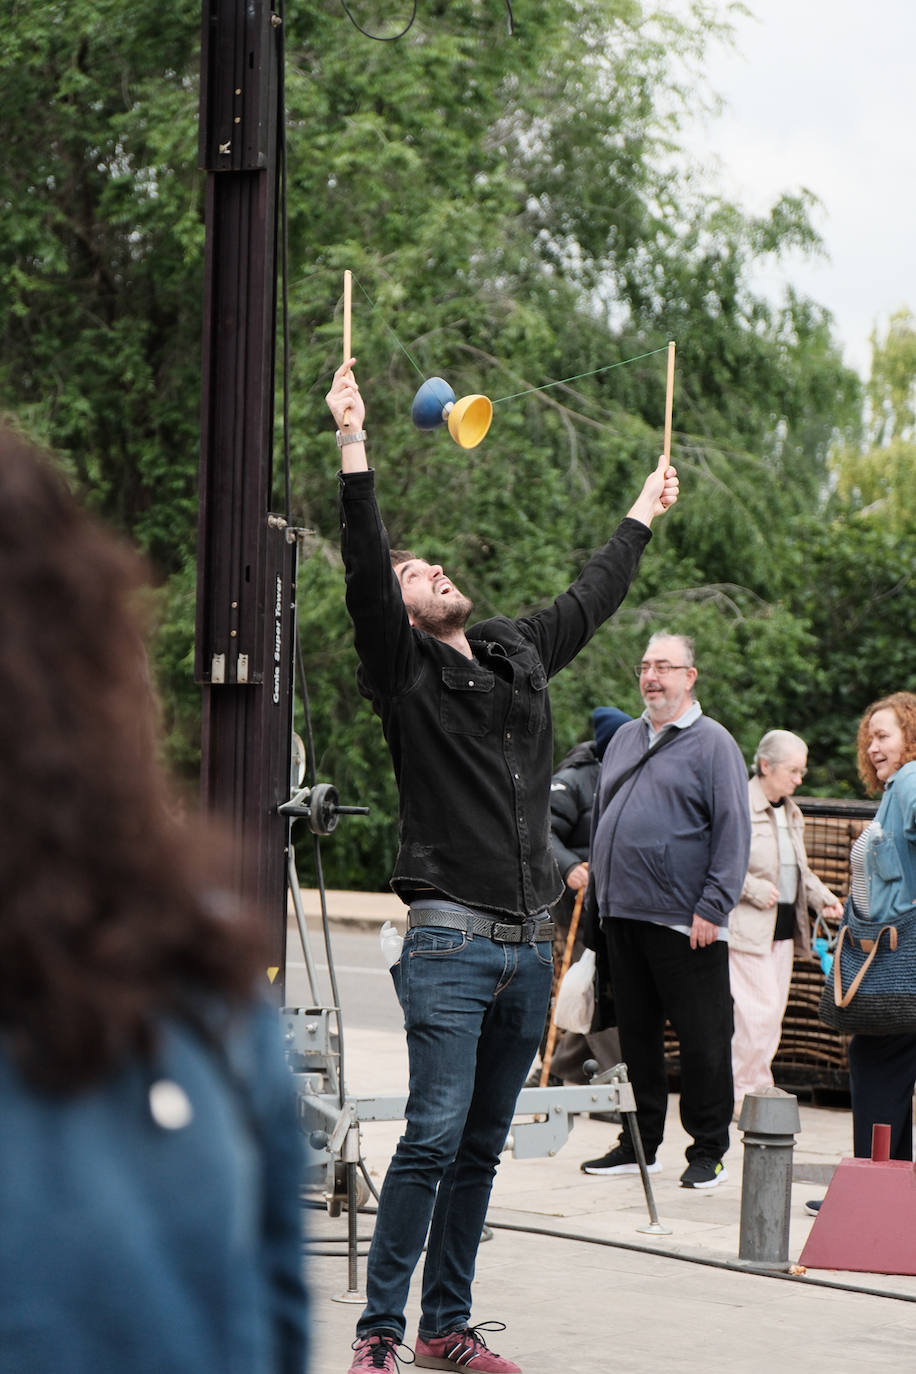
311,766
380,37
306,710
332,975
311,763
641,1248
735,1266
392,37
284,250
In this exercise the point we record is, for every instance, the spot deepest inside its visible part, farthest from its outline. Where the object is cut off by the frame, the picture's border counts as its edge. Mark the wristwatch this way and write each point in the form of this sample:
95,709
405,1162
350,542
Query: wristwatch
358,436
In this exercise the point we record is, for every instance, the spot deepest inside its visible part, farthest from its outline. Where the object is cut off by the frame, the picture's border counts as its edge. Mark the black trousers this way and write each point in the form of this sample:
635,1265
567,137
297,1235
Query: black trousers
882,1071
657,976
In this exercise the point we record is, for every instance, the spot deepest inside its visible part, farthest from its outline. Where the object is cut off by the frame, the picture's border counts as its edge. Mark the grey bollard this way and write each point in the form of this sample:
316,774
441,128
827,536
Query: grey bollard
770,1123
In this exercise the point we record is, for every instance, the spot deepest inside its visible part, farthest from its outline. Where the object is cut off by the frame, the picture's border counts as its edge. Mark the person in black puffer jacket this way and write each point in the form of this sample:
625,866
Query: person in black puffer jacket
572,791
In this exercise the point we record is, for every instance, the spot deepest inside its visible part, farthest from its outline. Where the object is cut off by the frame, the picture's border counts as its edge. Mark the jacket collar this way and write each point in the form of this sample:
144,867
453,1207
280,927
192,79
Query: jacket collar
908,768
758,801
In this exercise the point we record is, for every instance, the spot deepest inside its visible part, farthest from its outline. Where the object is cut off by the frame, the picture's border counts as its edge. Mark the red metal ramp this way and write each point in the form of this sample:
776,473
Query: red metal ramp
867,1221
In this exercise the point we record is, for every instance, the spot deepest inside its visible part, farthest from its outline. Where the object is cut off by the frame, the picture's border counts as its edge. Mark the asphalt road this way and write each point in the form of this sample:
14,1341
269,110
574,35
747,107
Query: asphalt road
367,999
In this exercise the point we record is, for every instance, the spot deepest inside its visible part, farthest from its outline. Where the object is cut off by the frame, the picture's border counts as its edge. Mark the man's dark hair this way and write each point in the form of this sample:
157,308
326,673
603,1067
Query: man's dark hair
399,556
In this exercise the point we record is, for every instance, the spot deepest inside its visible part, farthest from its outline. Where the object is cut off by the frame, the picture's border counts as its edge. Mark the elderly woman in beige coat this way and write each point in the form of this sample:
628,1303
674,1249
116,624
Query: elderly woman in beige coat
771,920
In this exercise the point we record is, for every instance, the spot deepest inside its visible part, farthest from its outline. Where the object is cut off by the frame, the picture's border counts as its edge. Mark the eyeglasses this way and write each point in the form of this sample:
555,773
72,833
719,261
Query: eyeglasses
661,669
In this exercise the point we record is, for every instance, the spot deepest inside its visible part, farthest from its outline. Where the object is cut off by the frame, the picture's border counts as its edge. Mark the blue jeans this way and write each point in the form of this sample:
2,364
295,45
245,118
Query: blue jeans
473,1012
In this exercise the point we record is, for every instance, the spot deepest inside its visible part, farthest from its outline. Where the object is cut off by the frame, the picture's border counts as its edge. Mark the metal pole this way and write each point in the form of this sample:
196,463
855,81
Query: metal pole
770,1122
350,1158
246,556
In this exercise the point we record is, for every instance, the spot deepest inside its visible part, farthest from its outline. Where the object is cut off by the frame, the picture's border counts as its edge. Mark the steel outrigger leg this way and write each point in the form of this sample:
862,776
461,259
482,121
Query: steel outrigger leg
617,1075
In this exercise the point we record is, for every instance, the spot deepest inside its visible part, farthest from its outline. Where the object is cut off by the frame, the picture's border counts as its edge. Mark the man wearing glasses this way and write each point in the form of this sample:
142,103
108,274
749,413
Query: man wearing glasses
671,837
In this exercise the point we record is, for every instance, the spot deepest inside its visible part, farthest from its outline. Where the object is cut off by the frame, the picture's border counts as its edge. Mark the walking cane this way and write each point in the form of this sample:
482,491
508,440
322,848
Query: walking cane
558,978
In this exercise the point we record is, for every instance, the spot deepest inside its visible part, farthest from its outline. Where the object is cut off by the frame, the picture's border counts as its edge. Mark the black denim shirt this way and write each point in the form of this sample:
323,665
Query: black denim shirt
471,739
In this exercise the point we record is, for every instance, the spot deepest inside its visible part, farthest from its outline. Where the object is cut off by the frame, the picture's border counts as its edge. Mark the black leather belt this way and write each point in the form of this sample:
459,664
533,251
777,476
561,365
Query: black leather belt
505,932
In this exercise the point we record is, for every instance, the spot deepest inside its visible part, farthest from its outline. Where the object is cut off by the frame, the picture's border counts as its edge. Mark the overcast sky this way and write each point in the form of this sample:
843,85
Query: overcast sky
819,93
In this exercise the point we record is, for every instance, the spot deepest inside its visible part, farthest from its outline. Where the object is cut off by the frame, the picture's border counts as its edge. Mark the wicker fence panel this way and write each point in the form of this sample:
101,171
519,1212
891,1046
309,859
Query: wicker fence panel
811,1057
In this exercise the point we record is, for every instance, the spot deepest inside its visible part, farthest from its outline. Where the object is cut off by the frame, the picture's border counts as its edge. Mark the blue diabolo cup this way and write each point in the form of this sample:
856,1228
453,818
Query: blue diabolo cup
432,403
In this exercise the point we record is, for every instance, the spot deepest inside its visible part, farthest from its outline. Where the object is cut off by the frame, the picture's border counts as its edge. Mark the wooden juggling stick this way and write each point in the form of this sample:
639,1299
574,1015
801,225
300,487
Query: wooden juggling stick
564,966
669,402
347,320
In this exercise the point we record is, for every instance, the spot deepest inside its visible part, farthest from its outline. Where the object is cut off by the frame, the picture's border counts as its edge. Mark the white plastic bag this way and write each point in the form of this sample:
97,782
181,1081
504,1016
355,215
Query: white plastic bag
391,943
575,1004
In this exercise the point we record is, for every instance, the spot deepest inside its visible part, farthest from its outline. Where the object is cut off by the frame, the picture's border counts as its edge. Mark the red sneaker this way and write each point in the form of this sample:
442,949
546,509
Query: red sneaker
377,1354
465,1349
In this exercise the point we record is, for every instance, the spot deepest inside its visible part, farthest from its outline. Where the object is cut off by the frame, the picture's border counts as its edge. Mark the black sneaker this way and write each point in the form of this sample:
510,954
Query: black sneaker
814,1206
618,1161
534,1080
704,1173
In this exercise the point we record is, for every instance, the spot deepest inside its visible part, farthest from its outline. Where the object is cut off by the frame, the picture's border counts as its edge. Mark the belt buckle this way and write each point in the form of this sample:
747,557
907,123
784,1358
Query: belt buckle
504,933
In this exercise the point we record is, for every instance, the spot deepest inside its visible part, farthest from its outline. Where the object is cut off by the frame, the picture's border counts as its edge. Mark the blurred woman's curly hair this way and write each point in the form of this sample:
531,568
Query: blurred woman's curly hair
110,916
903,705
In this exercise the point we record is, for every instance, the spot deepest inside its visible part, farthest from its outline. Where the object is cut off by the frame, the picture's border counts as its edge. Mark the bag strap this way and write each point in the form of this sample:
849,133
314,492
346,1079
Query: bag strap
841,999
667,736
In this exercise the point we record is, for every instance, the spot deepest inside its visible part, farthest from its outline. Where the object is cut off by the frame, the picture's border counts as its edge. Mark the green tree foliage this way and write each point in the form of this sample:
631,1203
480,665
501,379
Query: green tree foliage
511,215
878,474
100,258
516,212
857,596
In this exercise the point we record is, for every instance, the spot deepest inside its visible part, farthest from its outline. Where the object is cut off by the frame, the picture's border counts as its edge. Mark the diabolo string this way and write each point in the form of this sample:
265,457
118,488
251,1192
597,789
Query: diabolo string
563,381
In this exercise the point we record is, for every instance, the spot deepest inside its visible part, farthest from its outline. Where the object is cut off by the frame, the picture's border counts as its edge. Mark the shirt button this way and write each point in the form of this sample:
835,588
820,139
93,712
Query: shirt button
508,734
470,682
169,1105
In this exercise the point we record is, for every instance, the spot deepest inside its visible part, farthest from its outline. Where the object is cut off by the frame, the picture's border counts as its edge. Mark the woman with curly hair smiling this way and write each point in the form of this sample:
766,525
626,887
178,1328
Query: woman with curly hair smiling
882,1068
150,1157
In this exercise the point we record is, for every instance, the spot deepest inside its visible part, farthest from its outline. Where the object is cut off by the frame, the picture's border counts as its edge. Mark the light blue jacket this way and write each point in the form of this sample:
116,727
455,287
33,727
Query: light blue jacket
890,849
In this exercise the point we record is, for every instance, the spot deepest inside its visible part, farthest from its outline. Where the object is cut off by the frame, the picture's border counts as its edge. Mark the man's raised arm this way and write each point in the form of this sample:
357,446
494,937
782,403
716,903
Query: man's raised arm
348,408
659,491
380,625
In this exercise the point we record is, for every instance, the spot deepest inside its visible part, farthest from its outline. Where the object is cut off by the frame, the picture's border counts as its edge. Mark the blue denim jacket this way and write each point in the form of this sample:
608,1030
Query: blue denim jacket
135,1242
890,849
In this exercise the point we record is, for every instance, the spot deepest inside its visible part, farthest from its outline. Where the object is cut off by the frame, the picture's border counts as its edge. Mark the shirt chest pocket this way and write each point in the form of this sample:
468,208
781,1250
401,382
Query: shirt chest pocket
882,859
764,851
537,700
466,701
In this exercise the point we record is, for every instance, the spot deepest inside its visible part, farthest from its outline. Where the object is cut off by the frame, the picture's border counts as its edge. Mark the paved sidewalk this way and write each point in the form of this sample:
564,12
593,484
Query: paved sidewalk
581,1289
365,910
